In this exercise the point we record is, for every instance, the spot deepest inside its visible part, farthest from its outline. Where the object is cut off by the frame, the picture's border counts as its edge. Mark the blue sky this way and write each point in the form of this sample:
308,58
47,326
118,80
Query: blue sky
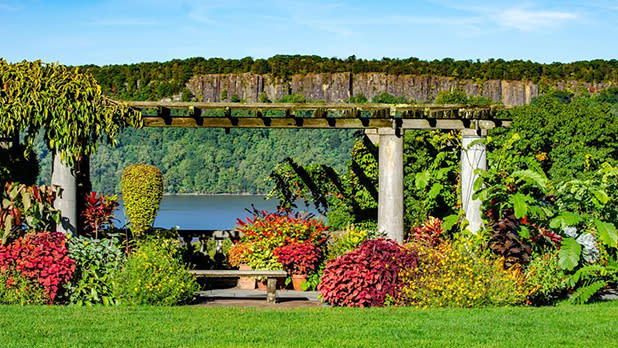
111,31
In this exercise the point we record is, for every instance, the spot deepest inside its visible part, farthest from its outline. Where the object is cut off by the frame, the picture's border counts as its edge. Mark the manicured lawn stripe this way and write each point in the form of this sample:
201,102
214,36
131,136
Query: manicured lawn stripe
593,325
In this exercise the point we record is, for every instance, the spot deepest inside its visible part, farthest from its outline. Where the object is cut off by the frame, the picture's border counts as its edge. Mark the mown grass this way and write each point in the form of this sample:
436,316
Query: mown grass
594,325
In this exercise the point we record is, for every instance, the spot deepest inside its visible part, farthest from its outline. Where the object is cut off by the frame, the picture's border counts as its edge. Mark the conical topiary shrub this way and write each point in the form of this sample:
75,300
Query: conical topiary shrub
142,190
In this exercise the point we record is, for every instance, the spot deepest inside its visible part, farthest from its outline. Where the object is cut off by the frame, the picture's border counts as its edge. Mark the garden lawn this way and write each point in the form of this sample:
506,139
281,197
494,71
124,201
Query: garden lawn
594,325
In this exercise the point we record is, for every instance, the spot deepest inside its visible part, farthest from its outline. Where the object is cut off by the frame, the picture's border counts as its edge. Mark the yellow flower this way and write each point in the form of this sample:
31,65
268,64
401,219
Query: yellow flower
541,156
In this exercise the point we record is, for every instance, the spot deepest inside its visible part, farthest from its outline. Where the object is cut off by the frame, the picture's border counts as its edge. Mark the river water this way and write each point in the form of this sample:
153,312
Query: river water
208,212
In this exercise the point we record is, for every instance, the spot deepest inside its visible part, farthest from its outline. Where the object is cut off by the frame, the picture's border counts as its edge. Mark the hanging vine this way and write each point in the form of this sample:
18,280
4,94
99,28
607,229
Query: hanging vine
66,104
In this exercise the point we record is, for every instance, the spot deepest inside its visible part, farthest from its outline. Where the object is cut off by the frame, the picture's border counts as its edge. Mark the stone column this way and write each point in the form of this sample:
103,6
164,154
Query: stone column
390,184
373,136
64,177
473,157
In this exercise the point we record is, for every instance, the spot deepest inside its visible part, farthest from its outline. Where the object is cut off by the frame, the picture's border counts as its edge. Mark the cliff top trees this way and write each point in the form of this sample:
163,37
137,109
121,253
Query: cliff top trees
141,80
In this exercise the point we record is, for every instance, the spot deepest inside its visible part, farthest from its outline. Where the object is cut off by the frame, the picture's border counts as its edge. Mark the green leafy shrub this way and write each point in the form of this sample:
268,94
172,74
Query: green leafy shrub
545,280
155,275
587,218
18,289
96,261
142,191
26,208
591,279
457,96
387,98
432,169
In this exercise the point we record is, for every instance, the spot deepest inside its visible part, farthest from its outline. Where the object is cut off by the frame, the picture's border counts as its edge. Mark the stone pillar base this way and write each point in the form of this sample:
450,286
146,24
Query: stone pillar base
64,177
390,197
473,157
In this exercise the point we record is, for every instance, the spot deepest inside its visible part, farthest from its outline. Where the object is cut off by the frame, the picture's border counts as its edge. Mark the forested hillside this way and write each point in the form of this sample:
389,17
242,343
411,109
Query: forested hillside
210,161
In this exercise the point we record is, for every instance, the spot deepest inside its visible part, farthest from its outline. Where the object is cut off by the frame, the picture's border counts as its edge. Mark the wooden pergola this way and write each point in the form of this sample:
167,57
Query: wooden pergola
317,115
385,125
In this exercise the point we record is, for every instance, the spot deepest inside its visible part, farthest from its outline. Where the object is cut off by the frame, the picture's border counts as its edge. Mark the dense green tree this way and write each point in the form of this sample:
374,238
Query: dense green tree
569,138
609,95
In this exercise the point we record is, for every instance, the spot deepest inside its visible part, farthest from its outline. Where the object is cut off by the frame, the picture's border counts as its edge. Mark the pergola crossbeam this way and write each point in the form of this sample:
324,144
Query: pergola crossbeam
317,123
315,115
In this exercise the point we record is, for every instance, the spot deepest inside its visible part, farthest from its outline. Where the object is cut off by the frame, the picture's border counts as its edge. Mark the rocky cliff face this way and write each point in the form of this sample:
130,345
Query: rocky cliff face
337,87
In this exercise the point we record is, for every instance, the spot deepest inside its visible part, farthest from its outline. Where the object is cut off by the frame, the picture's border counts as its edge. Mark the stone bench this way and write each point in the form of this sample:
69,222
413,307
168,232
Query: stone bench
271,276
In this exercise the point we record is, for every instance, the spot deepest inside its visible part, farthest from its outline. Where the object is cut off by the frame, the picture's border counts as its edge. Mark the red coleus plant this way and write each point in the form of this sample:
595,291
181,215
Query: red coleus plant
429,233
41,257
366,276
99,212
298,258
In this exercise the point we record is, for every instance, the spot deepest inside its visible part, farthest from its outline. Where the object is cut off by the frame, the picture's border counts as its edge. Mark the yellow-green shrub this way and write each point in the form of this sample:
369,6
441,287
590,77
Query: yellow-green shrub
347,241
155,275
142,190
449,275
545,279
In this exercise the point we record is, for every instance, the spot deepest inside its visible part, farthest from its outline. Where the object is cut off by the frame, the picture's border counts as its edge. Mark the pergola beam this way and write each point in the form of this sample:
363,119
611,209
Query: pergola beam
321,110
317,115
326,123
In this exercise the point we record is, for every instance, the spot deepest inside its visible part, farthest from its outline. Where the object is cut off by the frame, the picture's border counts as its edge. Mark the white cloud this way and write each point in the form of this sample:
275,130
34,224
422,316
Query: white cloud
528,16
531,20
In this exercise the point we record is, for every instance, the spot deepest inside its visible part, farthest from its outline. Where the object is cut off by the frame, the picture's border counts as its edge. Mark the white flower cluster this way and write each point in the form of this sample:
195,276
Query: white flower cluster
570,231
590,252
